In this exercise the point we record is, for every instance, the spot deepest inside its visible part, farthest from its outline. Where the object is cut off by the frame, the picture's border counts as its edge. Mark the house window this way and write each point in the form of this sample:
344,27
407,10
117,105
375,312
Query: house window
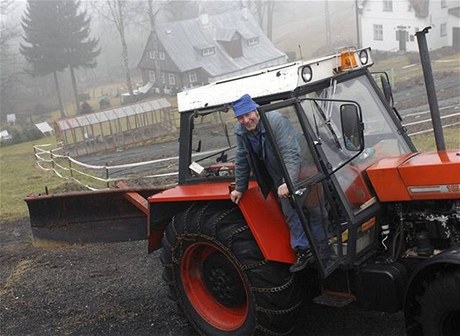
171,79
208,51
152,76
253,41
192,77
152,54
387,5
162,78
443,29
443,3
378,32
161,54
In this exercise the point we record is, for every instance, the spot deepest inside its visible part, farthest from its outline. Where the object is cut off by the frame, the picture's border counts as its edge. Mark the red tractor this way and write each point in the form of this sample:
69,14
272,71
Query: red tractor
391,214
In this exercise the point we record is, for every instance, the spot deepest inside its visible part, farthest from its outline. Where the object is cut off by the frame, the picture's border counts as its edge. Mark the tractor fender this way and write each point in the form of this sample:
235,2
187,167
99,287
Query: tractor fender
263,215
424,273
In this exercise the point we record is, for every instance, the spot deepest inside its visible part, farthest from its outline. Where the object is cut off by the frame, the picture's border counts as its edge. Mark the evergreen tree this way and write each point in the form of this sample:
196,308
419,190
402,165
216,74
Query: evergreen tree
44,52
80,50
58,34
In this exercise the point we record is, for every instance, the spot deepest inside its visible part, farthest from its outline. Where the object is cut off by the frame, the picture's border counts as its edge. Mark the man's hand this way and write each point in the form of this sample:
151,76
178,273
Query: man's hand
235,196
283,191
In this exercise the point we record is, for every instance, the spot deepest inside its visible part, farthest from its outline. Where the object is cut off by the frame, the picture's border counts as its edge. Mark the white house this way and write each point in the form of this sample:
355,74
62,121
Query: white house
391,25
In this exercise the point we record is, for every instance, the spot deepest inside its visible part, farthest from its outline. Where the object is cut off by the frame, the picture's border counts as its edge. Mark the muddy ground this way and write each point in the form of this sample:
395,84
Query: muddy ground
116,289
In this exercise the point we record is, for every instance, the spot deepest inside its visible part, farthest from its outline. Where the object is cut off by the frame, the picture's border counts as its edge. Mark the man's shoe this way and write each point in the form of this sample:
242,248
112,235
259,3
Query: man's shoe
303,259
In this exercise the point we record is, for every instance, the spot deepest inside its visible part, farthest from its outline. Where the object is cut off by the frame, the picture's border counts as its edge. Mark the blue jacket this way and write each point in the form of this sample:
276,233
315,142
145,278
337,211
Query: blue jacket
265,165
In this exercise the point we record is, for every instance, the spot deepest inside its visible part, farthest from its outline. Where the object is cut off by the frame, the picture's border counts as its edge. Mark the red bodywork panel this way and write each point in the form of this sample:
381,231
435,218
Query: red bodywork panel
264,216
419,176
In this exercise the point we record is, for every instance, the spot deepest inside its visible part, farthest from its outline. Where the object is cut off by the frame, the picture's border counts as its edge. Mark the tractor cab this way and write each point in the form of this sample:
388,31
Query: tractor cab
343,125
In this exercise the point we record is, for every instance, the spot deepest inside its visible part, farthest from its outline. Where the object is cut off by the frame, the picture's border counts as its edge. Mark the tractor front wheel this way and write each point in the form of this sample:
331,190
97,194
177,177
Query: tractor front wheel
218,276
440,305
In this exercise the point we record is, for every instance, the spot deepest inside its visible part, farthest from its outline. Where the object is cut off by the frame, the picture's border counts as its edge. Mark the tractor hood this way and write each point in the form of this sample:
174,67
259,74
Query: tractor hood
417,176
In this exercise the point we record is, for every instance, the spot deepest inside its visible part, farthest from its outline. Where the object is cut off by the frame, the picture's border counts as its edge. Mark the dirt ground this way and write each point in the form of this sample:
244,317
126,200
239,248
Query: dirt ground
116,289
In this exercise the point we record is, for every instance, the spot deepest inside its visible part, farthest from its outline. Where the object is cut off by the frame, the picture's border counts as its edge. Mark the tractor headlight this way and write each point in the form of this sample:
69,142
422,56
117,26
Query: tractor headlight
363,57
307,74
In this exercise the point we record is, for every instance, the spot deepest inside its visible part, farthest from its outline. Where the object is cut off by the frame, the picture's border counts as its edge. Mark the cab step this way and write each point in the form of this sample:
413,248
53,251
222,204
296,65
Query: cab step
334,299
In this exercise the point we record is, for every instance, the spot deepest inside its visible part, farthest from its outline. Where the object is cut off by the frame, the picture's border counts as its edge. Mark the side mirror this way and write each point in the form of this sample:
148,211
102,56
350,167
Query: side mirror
387,91
352,129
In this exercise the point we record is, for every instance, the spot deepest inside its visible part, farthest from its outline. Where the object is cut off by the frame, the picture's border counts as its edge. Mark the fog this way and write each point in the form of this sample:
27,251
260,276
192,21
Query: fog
301,29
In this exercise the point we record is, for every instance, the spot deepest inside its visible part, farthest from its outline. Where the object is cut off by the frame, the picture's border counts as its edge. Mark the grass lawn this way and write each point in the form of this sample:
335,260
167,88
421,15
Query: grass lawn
19,176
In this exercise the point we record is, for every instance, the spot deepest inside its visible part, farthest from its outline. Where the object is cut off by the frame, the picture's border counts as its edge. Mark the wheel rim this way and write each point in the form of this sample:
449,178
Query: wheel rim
214,286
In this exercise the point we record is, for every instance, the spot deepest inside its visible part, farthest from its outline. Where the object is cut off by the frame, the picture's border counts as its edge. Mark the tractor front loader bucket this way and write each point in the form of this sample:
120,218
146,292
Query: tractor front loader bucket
113,215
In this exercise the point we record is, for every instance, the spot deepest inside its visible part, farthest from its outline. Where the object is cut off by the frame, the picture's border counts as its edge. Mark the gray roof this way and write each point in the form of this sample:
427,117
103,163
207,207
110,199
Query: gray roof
184,40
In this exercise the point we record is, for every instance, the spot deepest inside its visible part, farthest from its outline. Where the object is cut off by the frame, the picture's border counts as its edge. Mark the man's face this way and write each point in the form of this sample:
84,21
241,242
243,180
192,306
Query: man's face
249,120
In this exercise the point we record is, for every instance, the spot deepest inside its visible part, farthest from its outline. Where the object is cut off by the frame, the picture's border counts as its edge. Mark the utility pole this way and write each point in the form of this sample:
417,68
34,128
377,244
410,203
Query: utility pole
328,23
358,35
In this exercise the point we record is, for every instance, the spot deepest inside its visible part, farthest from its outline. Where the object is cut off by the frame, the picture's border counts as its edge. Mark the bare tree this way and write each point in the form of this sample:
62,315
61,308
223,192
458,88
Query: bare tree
9,67
152,12
264,9
116,12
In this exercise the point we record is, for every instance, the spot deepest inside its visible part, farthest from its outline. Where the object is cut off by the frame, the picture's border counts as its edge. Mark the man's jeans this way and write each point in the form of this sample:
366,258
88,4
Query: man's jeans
316,218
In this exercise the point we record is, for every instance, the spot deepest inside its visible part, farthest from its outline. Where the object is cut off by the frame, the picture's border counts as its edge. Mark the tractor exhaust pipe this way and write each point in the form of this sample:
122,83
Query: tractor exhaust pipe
430,89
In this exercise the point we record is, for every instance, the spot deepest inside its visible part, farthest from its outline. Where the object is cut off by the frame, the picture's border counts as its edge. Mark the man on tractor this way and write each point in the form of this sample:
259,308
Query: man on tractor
255,152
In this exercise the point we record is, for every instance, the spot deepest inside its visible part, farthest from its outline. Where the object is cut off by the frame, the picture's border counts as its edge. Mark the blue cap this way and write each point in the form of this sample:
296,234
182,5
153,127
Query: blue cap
244,105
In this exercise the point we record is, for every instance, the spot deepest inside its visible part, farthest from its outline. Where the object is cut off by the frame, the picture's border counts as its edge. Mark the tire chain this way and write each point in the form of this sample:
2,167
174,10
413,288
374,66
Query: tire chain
200,216
274,333
274,289
186,217
254,265
234,233
180,238
279,311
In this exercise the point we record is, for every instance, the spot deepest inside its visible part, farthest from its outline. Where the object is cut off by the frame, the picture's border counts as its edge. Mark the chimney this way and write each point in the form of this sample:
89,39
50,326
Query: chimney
204,19
244,12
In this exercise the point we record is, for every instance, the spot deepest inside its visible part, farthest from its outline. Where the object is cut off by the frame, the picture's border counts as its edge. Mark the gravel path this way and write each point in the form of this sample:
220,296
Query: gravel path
116,289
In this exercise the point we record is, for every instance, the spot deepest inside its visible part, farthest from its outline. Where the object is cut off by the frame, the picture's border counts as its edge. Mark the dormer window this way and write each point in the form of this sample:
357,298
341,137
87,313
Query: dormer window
152,54
161,55
253,41
387,5
208,51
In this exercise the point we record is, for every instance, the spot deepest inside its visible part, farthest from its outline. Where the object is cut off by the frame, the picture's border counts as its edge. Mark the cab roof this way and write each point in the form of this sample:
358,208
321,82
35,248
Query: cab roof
274,80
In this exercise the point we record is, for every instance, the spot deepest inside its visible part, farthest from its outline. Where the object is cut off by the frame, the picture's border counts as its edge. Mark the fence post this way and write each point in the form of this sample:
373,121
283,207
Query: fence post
52,159
107,174
70,166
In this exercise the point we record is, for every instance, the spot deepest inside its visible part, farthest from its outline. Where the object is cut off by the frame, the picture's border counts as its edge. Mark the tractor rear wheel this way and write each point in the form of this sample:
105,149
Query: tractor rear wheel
440,305
218,276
